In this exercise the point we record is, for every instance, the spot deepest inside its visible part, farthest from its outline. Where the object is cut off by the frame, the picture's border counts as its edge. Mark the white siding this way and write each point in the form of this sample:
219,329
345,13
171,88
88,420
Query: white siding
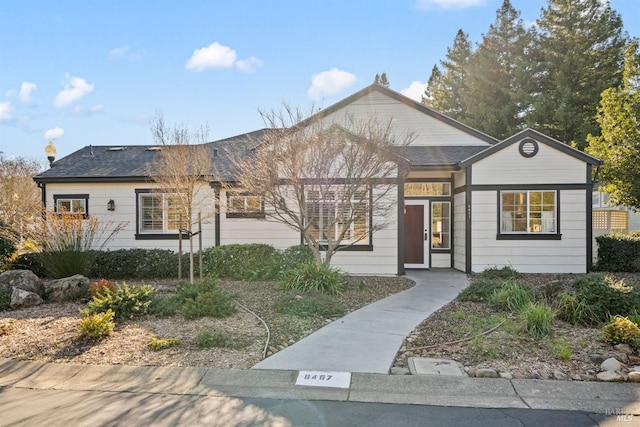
530,256
548,166
440,260
426,129
459,232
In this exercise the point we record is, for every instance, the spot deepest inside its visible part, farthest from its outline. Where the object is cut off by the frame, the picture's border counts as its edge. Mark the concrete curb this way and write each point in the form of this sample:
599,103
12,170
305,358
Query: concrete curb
593,397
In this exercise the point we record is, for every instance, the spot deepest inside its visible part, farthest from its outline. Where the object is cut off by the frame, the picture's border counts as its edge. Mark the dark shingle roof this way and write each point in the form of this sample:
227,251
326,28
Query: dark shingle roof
131,162
440,155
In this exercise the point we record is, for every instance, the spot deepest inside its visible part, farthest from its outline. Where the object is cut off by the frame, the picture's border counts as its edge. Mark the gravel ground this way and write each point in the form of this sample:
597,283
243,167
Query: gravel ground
49,332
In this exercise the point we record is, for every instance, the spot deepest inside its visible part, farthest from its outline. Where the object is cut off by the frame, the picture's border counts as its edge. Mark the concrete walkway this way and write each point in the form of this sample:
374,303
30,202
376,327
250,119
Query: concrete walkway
367,340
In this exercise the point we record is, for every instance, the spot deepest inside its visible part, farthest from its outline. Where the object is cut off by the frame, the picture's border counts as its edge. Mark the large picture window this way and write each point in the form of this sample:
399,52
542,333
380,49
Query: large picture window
528,212
328,214
159,213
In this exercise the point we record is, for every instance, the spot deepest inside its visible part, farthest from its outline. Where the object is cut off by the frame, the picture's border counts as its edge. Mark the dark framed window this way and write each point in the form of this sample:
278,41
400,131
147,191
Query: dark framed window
71,203
532,214
158,215
440,225
244,205
329,213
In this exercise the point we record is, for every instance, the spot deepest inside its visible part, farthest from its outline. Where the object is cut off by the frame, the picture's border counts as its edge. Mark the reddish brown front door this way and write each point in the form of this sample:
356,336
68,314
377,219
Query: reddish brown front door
413,234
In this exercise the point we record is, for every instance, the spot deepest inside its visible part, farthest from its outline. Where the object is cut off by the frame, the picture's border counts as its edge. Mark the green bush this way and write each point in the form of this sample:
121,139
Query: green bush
163,343
313,277
572,309
621,330
538,320
126,301
634,316
480,289
164,305
512,296
207,339
309,305
562,349
97,325
204,299
7,248
126,264
242,262
293,257
619,252
504,273
604,297
29,261
5,300
58,264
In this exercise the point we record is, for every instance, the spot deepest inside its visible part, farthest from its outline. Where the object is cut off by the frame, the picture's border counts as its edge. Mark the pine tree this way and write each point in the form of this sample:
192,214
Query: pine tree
446,89
619,144
381,79
579,50
495,99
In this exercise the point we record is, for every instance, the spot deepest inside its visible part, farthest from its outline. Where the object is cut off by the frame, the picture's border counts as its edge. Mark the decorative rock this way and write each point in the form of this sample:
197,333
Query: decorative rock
399,371
611,364
588,377
67,289
21,279
577,377
471,371
519,376
622,357
596,358
506,375
559,375
533,376
634,360
21,298
624,348
634,377
609,376
487,373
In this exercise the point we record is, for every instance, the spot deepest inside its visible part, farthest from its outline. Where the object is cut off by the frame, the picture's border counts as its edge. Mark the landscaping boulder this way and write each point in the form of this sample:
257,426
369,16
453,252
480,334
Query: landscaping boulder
609,376
611,365
22,299
21,279
67,289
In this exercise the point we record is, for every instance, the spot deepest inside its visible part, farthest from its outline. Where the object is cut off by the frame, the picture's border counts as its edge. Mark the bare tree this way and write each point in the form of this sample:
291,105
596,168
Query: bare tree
182,170
20,202
332,182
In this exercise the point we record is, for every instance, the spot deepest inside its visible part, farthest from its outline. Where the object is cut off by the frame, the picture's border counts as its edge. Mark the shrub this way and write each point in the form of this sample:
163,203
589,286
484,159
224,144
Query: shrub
621,330
29,261
207,339
97,325
136,264
242,262
562,349
619,252
309,305
512,296
126,301
293,257
7,248
313,277
5,300
163,343
572,309
538,320
550,292
604,297
204,299
99,285
164,305
480,289
634,316
505,273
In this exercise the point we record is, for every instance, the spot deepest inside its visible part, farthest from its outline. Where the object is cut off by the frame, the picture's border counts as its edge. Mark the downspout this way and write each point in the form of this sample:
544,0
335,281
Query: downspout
43,194
217,187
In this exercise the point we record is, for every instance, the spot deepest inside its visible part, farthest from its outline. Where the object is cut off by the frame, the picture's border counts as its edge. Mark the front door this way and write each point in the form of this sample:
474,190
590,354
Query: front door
416,234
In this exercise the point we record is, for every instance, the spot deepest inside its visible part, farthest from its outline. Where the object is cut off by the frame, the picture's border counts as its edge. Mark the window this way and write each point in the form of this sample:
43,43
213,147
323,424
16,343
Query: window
159,213
415,189
72,203
329,214
244,206
528,212
440,225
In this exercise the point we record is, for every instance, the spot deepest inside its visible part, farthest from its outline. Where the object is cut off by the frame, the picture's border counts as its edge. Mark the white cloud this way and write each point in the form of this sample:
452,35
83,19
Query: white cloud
123,53
213,56
80,110
96,109
330,82
449,4
6,111
415,90
74,89
25,91
248,65
55,133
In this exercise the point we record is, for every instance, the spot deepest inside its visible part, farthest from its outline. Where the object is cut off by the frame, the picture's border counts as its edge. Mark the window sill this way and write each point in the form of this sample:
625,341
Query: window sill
532,236
351,248
253,215
159,236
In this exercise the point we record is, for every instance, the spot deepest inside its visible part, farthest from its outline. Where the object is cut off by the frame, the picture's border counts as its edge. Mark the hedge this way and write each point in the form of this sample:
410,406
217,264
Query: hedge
619,252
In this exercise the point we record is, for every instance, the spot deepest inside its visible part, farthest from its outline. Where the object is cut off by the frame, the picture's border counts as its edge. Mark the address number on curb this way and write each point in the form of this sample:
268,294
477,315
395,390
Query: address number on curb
324,379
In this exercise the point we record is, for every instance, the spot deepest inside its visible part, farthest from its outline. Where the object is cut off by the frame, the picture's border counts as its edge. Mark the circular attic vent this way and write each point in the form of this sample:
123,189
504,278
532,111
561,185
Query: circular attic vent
528,147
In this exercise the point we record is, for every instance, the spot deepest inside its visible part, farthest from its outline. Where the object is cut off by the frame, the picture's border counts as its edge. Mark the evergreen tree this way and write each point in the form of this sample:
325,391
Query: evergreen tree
446,89
381,79
619,144
579,50
495,97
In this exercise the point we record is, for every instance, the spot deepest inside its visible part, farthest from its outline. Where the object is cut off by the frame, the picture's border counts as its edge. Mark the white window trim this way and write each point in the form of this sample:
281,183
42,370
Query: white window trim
165,216
352,227
528,213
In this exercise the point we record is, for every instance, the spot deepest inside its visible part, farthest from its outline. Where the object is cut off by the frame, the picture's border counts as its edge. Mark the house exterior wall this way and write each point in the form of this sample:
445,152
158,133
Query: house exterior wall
427,130
459,231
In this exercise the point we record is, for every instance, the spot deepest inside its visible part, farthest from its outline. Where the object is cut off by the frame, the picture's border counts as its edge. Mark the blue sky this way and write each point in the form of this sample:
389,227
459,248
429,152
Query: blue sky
95,72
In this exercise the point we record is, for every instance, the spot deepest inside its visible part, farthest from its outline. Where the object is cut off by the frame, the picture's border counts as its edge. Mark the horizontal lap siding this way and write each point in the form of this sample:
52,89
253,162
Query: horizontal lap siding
426,129
459,229
549,256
